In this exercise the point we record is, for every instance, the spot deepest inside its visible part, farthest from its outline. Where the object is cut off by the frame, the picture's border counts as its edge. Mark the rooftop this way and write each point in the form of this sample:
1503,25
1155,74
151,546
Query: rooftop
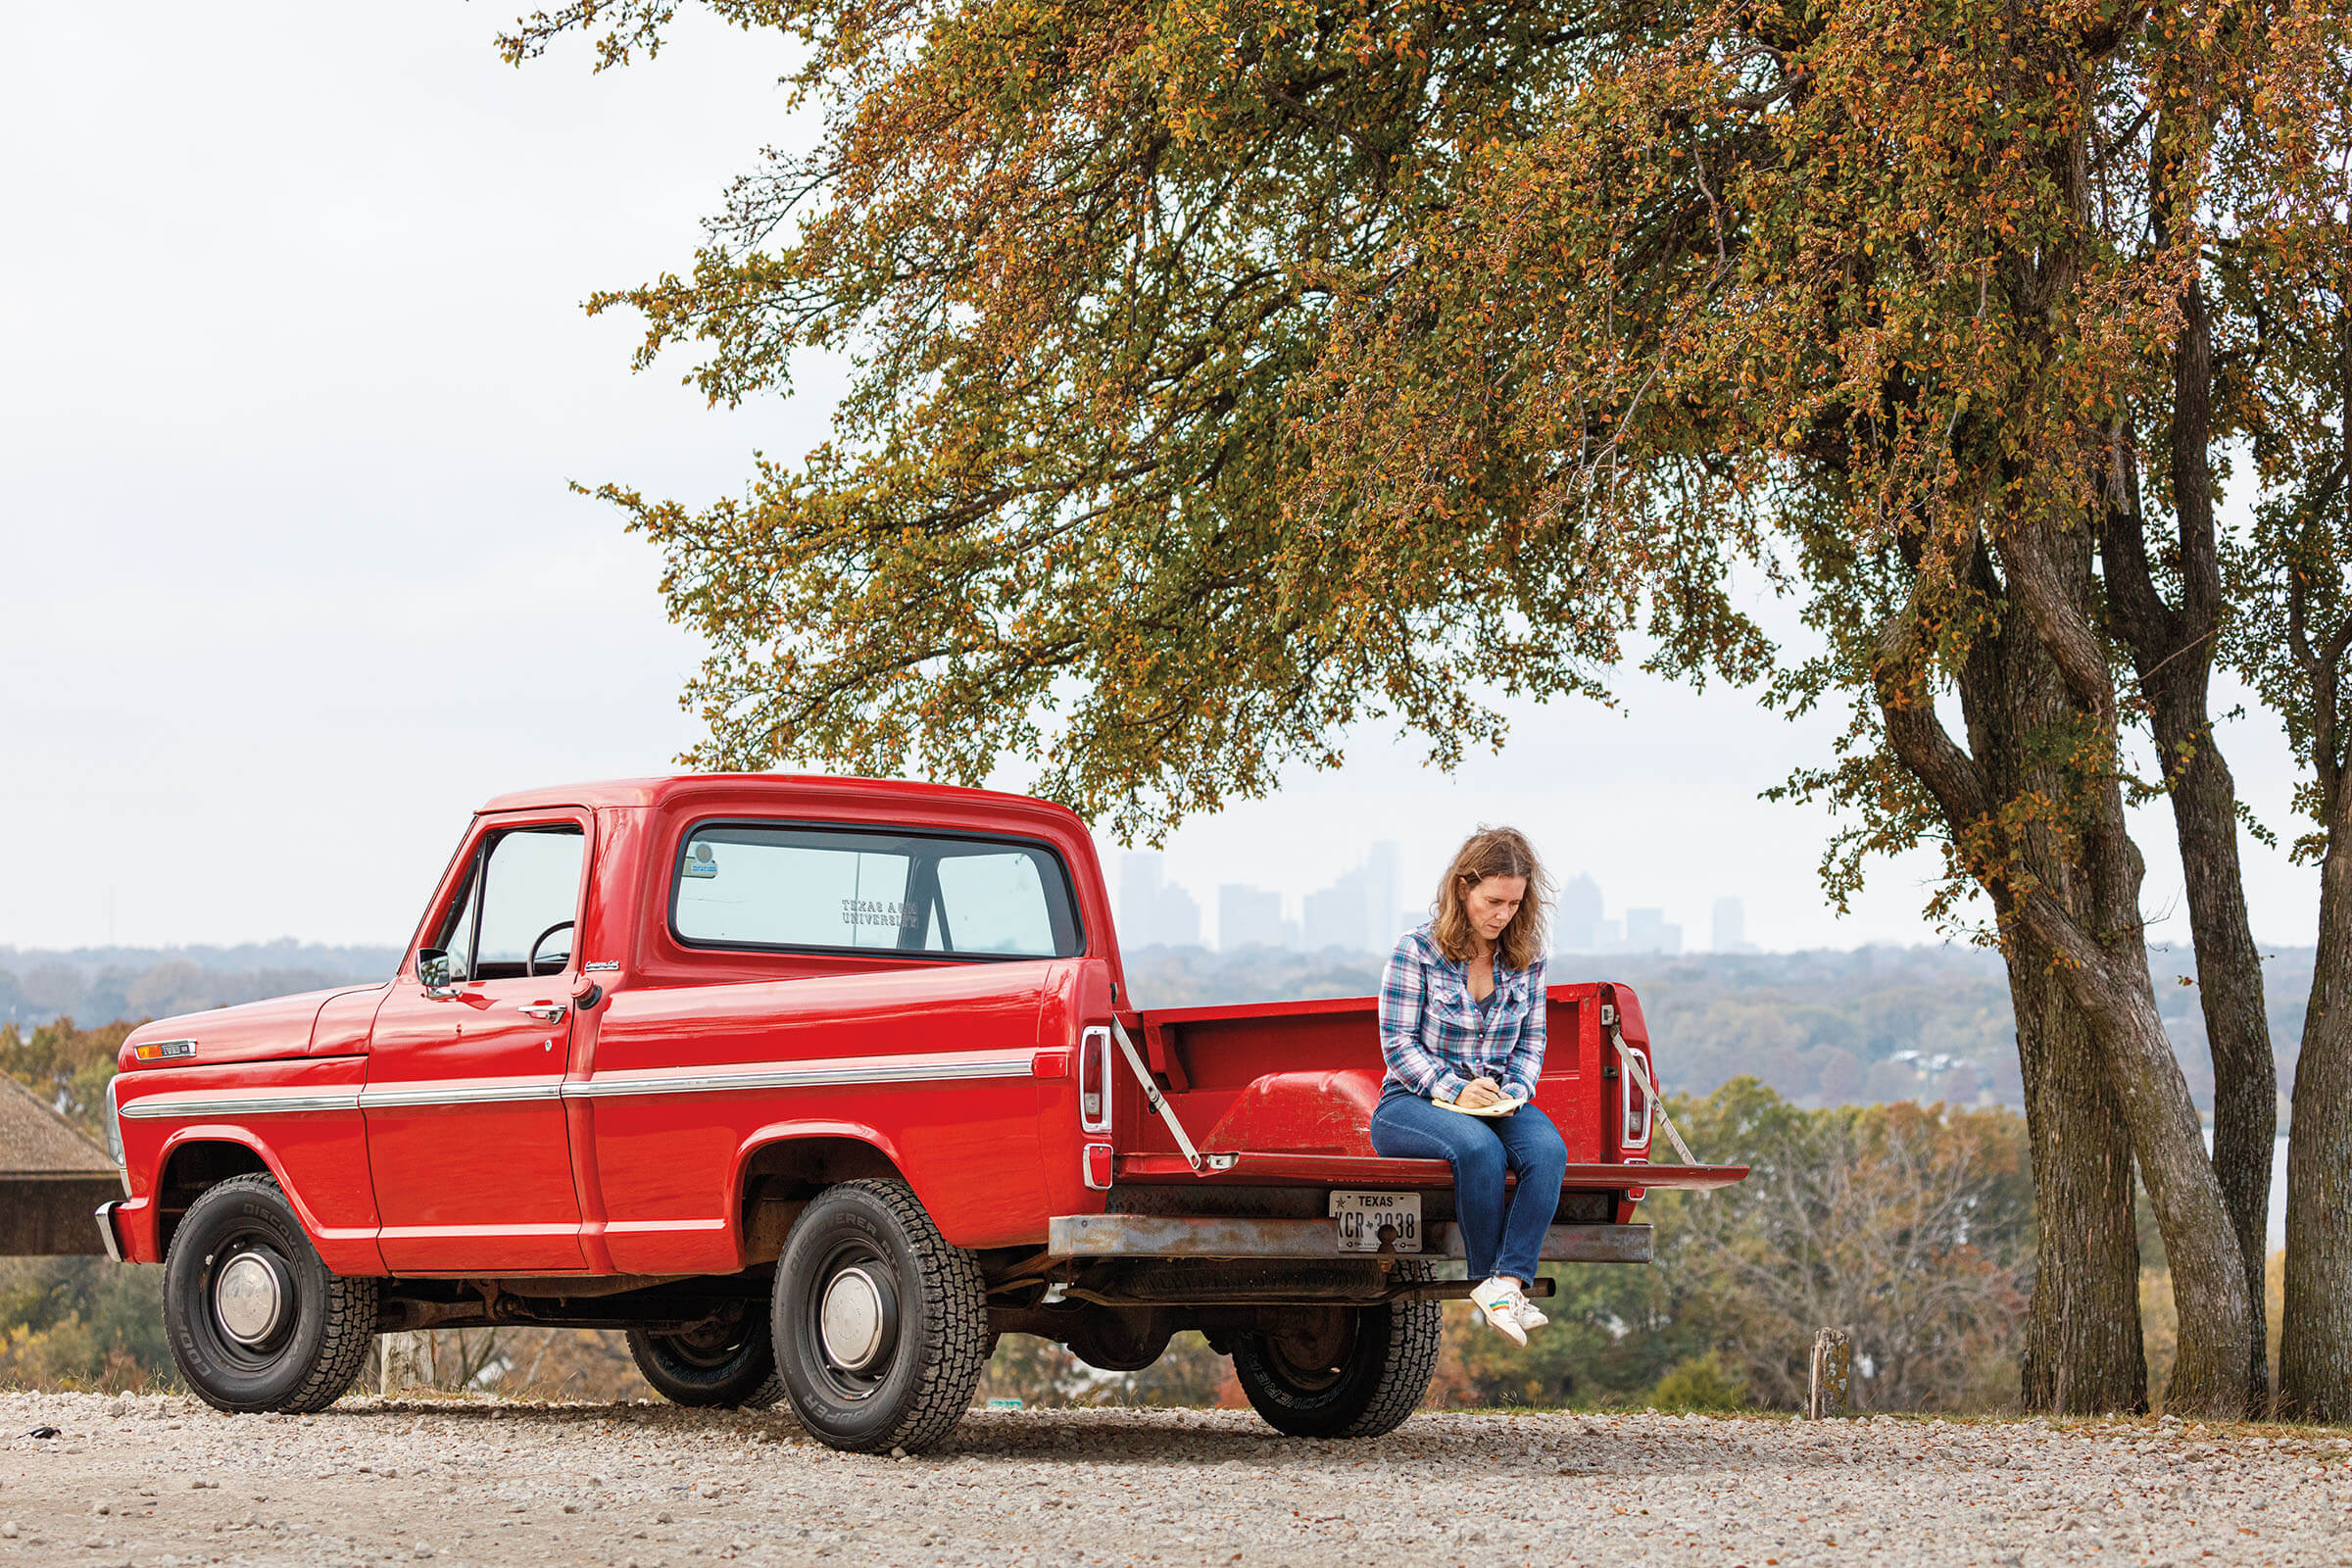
35,1141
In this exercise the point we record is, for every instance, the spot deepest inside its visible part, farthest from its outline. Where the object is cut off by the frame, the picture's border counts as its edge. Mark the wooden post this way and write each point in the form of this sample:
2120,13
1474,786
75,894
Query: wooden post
1832,1375
407,1362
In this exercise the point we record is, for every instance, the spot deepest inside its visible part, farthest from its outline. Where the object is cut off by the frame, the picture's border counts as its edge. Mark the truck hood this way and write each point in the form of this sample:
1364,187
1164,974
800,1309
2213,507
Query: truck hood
251,1031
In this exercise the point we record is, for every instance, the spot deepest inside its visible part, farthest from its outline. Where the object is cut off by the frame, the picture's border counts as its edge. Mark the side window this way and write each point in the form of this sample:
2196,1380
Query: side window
520,902
531,896
756,885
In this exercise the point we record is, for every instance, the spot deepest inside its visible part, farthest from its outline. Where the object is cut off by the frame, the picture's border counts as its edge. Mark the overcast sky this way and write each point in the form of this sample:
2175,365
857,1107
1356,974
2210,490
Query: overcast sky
294,374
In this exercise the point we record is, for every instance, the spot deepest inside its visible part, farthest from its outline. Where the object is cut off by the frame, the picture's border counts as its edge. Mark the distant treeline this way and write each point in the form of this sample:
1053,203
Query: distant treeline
100,984
1822,1028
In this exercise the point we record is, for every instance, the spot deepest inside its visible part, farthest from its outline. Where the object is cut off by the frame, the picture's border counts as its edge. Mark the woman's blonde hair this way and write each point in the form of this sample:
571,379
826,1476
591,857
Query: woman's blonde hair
1492,852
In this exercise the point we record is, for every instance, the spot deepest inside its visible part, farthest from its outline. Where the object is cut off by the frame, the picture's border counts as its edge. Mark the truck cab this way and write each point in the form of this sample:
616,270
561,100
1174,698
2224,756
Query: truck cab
815,1087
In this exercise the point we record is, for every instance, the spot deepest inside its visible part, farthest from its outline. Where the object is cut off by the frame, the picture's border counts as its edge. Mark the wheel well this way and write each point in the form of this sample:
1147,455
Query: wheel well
780,1178
191,1169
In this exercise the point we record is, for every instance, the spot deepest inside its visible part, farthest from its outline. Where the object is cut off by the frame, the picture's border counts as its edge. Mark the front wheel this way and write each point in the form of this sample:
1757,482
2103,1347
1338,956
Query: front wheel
880,1327
729,1362
256,1321
1339,1371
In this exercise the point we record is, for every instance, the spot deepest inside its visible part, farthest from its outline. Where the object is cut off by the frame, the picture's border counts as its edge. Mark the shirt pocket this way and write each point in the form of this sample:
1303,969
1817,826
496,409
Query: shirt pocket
1452,999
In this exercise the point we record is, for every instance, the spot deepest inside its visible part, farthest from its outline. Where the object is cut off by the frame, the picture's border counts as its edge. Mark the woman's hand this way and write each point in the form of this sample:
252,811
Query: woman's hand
1479,1093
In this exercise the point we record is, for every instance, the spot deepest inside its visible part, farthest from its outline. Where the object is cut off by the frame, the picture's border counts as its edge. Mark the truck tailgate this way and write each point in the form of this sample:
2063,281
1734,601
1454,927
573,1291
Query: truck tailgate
1261,1169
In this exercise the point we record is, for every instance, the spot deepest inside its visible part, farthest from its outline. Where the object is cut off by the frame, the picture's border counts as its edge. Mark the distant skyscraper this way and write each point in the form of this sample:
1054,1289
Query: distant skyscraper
1576,918
1731,928
1354,913
1179,917
1335,916
1153,910
1140,874
1248,918
1649,931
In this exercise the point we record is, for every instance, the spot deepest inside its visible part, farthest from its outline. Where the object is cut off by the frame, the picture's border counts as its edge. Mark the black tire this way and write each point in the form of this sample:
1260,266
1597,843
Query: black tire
1357,1375
730,1365
320,1325
907,1381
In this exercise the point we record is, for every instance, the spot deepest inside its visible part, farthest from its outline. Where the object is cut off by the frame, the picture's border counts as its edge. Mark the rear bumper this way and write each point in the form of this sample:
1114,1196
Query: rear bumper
1182,1236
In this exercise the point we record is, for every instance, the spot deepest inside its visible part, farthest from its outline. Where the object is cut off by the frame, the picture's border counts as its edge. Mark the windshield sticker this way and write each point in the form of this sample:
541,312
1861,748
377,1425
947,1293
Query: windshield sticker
880,912
700,863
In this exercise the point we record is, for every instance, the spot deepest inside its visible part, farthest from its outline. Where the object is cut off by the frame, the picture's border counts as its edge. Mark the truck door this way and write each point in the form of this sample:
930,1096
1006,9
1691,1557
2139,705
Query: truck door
466,1131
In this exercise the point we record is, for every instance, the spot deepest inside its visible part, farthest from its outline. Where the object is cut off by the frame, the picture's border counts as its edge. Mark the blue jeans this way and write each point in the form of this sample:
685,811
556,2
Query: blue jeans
1500,1240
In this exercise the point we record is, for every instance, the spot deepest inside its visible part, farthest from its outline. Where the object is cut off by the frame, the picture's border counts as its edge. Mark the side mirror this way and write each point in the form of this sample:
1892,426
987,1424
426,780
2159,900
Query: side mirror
432,974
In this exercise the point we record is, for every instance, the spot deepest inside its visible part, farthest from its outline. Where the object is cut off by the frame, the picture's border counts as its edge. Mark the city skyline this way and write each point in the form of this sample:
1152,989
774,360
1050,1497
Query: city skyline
1361,912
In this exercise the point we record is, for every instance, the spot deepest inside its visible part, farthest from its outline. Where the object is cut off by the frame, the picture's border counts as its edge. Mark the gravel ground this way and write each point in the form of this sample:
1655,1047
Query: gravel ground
164,1480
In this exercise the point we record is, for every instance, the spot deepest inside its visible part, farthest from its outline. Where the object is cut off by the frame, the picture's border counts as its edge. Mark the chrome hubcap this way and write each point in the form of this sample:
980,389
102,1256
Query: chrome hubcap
249,1298
850,1319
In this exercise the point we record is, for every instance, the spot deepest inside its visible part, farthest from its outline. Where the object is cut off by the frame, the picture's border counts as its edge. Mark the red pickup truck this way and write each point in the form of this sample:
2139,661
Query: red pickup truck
814,1087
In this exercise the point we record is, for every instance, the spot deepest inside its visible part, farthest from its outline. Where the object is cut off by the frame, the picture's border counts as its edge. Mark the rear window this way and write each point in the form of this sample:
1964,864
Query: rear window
770,885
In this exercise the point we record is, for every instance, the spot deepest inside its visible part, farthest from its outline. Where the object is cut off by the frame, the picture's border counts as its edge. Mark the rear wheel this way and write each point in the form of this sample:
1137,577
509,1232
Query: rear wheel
880,1327
1340,1372
730,1361
256,1321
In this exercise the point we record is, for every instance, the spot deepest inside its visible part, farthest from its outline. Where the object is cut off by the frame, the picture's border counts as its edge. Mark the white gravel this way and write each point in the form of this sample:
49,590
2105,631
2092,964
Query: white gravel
164,1480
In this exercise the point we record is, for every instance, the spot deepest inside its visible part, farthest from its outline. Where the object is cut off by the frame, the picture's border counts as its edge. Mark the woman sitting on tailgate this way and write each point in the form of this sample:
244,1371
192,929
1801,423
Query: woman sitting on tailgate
1461,1028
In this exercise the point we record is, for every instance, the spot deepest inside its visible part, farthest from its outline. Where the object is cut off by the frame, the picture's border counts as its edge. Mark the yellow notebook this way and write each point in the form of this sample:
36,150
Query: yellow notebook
1501,1108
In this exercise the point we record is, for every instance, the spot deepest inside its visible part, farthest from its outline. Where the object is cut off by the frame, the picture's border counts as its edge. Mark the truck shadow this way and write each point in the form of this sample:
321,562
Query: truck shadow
1508,1442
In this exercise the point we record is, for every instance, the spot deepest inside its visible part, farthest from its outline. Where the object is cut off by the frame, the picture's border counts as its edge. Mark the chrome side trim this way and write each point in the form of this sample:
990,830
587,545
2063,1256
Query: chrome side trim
797,1075
455,1092
249,1104
106,1232
828,1074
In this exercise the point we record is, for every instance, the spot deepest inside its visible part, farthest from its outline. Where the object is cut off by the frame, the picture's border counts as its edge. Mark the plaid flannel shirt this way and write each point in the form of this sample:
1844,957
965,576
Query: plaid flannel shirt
1431,1037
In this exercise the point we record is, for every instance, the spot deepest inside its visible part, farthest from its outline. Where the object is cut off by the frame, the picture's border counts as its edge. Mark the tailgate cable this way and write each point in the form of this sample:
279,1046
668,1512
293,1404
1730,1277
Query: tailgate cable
1633,1064
1152,1095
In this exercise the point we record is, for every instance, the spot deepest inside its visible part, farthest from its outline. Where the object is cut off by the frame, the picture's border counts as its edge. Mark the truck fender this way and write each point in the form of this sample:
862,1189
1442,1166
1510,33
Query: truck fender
345,1251
755,1242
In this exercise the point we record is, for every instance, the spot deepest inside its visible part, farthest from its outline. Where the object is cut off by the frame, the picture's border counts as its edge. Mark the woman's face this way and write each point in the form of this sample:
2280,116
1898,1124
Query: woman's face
1491,902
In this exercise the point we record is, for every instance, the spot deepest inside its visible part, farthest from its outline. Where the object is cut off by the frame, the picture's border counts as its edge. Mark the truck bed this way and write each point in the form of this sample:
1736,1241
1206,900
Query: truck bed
1282,1094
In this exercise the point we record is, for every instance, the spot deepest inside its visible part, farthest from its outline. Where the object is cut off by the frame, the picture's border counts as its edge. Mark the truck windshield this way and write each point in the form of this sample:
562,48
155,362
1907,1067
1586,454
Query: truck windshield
762,885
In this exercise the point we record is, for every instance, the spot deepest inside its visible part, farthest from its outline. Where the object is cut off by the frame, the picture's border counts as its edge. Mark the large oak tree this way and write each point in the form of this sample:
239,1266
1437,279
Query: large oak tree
1232,373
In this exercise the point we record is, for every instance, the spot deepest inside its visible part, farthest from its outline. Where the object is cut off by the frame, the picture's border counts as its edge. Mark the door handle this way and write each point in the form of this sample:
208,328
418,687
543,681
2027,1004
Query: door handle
544,1011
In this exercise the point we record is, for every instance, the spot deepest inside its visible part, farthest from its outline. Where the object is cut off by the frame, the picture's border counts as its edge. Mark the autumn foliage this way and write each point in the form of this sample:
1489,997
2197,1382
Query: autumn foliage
1229,375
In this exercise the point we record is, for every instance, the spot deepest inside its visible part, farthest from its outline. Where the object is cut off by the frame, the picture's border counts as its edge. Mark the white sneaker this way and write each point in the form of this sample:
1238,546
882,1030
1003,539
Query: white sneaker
1500,1306
1529,1317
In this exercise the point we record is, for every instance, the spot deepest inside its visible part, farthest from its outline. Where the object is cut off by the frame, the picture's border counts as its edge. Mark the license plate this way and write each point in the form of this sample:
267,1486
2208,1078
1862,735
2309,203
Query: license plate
1363,1216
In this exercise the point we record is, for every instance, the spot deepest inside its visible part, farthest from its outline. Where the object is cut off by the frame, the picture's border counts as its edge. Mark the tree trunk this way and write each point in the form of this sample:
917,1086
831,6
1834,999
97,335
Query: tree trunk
2171,652
2237,1030
2315,1345
2082,1352
2209,1286
2104,966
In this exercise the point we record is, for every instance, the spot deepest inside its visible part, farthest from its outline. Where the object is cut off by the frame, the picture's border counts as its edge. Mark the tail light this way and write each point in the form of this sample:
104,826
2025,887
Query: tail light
1633,1132
1093,1080
1095,1166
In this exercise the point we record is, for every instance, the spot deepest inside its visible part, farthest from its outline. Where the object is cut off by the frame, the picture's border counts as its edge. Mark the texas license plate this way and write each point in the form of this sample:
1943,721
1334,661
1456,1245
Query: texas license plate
1372,1222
